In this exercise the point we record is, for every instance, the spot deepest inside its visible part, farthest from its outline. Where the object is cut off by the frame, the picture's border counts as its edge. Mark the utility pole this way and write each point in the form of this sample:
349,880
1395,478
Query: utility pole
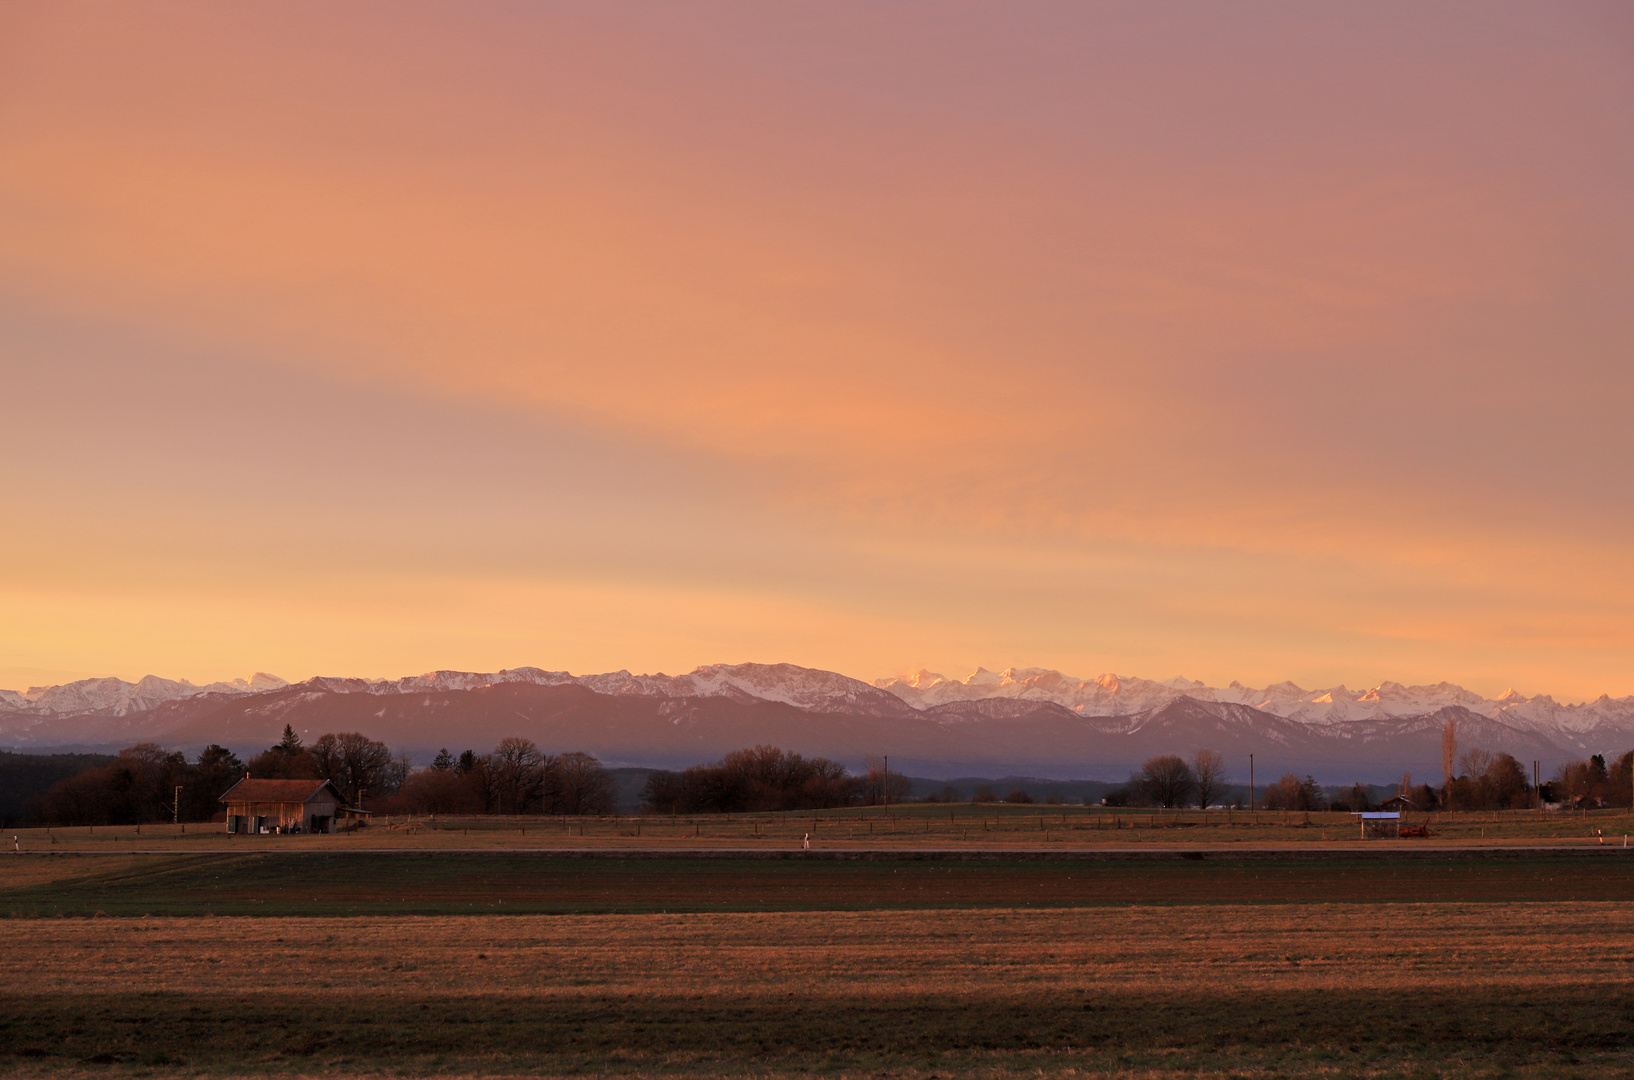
887,781
176,810
1250,781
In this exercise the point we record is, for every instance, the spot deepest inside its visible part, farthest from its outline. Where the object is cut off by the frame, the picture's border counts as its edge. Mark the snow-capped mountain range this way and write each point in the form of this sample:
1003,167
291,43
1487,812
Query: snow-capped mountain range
116,697
805,688
827,691
1032,721
1116,695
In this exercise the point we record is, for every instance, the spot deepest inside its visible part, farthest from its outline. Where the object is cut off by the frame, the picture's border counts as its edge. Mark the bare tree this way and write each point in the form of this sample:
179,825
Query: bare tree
1292,793
355,764
576,783
1208,766
878,784
1359,798
326,755
397,773
516,776
1166,780
1474,762
1489,782
366,765
1449,750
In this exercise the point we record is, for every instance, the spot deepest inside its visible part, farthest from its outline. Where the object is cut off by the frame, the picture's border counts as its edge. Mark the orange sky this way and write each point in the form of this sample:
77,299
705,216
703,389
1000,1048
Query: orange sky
1259,342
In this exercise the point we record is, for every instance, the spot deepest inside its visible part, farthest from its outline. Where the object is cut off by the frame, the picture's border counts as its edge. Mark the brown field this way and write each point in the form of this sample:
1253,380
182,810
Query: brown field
362,883
943,827
458,951
1408,990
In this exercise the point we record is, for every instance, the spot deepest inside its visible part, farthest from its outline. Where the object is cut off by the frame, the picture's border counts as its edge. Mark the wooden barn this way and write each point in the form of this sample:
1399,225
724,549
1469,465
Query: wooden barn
287,806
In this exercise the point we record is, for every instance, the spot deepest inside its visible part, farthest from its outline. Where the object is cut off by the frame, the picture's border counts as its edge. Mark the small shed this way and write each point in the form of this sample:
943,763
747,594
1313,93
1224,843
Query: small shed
285,806
1379,822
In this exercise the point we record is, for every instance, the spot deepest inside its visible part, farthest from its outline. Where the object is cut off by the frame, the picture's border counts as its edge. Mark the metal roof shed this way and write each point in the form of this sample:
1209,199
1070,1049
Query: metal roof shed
1379,823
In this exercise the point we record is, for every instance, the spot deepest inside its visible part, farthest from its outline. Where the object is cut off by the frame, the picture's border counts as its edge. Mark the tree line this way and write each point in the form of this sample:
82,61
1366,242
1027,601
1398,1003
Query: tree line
1169,780
1589,782
760,779
25,778
144,783
147,783
517,778
360,767
1477,780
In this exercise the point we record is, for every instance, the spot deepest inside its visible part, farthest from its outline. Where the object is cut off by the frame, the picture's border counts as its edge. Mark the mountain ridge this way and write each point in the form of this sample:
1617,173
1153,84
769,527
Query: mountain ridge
1105,695
1028,720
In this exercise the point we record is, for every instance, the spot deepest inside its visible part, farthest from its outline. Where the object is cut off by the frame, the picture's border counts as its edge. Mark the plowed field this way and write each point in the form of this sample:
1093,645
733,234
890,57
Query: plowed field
445,883
1322,990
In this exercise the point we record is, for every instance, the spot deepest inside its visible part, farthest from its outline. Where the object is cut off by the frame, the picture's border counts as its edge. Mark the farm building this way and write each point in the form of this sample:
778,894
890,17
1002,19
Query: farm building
1379,823
308,806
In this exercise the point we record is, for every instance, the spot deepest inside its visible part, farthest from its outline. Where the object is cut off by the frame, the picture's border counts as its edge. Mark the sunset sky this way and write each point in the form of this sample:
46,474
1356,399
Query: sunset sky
1234,341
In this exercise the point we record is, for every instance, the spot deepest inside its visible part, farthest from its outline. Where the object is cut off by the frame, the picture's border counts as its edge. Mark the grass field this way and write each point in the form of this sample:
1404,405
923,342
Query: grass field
910,826
1323,990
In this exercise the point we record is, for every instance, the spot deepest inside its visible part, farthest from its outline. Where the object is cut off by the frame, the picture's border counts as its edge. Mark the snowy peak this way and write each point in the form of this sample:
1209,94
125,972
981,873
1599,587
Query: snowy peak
437,681
1101,696
805,688
116,697
790,684
922,693
1118,695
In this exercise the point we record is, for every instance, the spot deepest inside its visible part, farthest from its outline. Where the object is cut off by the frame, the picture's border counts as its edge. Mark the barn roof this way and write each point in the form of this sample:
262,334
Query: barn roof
277,791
